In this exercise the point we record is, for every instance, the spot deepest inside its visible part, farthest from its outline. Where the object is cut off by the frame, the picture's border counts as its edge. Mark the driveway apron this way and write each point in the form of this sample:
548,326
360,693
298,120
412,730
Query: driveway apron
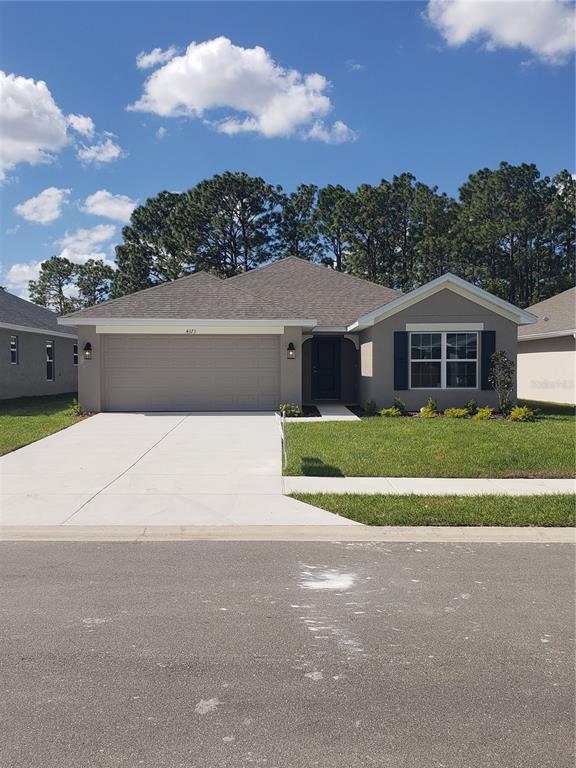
154,469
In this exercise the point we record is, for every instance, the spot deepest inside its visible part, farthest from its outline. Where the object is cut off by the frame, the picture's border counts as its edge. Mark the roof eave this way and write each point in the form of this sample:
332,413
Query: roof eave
137,321
548,335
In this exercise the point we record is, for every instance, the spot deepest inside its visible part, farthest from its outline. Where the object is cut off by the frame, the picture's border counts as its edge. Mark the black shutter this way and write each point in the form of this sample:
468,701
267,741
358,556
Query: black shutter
488,348
400,360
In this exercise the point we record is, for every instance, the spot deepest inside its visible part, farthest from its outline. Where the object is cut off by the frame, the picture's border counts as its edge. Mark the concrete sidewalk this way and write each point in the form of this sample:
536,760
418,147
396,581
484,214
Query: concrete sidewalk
428,486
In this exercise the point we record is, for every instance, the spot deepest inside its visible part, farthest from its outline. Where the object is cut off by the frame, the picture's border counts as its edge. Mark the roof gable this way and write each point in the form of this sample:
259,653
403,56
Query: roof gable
453,283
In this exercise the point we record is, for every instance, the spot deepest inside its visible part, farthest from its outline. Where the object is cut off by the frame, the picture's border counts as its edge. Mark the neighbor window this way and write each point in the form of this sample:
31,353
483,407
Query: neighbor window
50,361
75,353
14,350
443,360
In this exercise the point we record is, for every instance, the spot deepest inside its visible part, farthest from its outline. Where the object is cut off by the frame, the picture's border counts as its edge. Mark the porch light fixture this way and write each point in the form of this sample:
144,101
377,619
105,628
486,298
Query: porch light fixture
87,350
291,351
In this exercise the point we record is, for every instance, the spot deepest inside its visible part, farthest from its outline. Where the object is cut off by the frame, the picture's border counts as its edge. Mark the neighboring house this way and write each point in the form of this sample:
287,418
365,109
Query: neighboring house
291,332
547,351
38,356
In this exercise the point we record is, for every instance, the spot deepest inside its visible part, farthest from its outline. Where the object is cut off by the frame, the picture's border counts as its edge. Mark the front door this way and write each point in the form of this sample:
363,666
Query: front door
326,368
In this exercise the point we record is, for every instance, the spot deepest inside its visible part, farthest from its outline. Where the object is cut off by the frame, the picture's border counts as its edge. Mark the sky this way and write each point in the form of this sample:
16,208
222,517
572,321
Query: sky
105,104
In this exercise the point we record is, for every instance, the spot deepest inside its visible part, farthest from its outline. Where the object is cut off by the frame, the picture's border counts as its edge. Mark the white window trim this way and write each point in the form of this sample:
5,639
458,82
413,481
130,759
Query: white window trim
16,348
53,361
443,362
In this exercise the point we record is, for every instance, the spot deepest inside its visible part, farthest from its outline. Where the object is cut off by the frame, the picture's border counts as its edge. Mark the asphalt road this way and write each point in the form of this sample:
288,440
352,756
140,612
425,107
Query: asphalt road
286,655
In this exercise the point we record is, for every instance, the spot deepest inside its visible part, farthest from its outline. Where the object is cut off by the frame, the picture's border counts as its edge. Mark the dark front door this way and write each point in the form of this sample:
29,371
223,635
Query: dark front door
326,368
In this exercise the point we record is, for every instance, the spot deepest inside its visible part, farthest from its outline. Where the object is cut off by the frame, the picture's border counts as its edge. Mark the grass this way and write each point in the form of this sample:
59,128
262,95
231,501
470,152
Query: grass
549,511
550,409
27,419
414,447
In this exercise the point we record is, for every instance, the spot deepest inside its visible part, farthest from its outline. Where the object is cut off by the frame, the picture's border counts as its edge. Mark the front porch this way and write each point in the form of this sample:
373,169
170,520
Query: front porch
330,369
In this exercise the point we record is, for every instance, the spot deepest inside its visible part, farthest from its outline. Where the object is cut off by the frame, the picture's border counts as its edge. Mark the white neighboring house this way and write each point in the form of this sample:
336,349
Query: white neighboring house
547,351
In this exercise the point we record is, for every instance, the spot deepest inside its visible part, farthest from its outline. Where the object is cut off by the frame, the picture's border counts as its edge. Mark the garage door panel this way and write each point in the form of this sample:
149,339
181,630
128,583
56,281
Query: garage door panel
191,372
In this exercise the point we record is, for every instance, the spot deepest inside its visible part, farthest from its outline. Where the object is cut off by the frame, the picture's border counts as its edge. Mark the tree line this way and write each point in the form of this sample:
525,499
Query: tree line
511,231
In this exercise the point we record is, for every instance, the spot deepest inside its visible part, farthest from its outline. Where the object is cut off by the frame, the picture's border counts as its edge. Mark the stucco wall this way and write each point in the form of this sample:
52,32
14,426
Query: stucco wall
28,378
377,350
547,369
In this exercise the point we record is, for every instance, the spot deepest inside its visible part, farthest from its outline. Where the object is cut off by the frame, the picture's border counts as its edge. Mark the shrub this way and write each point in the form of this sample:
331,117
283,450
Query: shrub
75,409
471,407
457,413
400,405
391,412
289,409
483,414
430,410
502,379
522,413
371,408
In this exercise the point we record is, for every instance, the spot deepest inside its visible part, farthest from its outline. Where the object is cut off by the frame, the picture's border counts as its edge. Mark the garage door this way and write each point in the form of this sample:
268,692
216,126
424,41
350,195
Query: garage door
190,373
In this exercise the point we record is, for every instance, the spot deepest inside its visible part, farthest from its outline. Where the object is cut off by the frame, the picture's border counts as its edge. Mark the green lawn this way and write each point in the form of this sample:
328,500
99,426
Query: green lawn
27,419
554,510
415,447
552,409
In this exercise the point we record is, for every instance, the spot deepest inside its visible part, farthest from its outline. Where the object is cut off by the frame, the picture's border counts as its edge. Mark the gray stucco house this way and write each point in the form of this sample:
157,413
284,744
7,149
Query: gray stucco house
547,351
291,332
38,357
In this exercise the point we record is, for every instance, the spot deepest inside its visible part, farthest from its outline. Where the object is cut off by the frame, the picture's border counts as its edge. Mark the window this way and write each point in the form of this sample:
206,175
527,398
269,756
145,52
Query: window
75,359
443,360
50,361
14,360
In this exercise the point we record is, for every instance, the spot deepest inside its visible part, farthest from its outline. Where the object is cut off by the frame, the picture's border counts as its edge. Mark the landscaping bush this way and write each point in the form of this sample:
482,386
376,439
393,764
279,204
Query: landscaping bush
430,410
371,408
457,413
502,379
483,414
289,409
400,405
471,407
75,409
394,412
522,413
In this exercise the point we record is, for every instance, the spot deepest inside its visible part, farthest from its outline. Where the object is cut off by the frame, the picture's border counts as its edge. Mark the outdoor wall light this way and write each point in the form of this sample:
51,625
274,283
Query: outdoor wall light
87,351
291,351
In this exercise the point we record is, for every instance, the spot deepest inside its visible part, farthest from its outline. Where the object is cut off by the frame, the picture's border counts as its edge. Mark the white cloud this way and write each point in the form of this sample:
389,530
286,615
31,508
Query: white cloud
45,207
17,277
355,66
32,126
338,133
82,124
84,244
154,57
104,151
161,132
261,96
104,203
545,27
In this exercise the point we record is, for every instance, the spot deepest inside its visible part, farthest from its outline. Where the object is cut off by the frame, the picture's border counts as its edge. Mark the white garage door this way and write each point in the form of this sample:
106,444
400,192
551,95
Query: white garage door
191,373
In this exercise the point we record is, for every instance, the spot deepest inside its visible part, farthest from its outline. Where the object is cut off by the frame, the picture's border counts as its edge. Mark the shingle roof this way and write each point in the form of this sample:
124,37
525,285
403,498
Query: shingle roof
196,296
310,290
554,315
288,289
15,311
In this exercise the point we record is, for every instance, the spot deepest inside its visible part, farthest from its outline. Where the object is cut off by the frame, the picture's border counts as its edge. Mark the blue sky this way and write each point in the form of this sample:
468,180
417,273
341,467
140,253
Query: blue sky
440,97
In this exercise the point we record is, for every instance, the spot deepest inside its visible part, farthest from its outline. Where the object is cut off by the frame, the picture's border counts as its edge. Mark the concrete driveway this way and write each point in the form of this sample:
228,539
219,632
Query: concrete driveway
154,469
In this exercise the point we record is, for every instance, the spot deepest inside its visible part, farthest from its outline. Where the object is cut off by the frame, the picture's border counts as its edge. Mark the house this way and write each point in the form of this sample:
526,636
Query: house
547,351
290,332
39,357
